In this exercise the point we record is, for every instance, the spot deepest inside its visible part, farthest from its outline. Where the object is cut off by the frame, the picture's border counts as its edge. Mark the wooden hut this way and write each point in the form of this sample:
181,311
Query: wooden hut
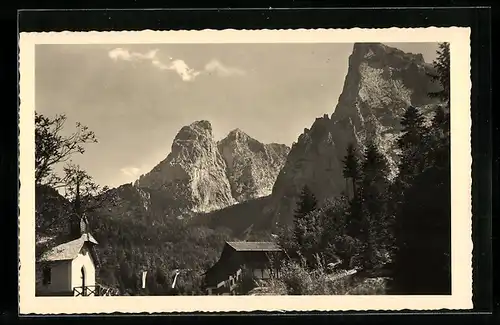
259,259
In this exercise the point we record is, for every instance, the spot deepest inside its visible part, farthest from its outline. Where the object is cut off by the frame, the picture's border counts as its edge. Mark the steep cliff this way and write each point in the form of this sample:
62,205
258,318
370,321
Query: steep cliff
193,175
251,166
201,175
381,83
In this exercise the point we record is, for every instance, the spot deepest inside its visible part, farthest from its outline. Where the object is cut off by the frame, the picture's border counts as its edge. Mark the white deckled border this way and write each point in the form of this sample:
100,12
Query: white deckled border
461,161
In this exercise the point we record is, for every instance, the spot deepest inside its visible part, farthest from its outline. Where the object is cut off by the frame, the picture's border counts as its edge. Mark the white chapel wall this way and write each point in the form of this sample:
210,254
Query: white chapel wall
83,259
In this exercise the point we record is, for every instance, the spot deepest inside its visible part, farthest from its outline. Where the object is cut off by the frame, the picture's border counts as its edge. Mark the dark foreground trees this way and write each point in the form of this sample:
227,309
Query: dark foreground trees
403,223
422,263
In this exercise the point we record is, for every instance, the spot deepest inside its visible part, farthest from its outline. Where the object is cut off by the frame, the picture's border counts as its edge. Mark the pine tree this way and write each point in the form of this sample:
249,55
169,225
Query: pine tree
306,204
442,74
336,242
351,168
375,168
352,172
373,203
423,220
441,121
412,144
423,234
439,138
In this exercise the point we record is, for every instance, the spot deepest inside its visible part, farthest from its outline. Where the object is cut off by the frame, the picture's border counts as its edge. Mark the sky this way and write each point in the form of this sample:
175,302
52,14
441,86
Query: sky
137,97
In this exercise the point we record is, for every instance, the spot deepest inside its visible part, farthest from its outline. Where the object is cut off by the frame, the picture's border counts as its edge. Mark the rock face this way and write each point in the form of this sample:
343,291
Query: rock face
201,175
193,176
251,166
380,84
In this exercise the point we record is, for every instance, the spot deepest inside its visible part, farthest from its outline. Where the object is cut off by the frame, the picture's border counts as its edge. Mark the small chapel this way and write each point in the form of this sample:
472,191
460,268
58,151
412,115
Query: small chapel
69,268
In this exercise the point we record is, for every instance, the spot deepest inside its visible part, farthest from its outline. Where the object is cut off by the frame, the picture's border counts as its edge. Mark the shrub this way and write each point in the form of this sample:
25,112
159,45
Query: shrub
273,286
296,279
370,286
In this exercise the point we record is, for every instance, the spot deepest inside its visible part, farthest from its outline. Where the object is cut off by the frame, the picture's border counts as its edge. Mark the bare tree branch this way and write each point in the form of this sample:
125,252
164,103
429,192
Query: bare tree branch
52,147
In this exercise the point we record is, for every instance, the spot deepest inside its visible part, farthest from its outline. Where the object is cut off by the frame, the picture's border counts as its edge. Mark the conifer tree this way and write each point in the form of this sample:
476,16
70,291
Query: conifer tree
412,144
306,204
373,202
423,221
439,138
351,168
352,172
441,121
442,73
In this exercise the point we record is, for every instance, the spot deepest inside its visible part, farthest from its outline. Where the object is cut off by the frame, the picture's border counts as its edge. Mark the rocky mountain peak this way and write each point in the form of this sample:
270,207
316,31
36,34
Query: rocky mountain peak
196,131
382,79
252,166
202,175
192,177
379,51
380,84
202,124
237,134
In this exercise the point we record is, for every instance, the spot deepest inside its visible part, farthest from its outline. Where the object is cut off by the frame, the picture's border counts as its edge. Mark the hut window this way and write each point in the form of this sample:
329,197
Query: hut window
46,275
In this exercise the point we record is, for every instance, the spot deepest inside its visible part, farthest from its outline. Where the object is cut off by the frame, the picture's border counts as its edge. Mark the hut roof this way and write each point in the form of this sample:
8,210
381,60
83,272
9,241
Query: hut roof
254,246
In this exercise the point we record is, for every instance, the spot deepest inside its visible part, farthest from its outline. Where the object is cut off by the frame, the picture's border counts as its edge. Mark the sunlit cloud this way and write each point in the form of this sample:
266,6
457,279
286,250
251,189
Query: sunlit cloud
176,65
131,171
179,66
223,70
123,54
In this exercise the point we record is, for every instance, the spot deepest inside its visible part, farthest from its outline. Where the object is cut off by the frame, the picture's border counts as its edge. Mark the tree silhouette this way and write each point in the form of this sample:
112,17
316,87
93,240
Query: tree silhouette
423,215
351,168
307,203
52,147
442,74
412,144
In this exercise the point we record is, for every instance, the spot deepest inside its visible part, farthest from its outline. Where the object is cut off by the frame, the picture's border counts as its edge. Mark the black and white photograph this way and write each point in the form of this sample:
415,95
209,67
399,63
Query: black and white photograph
246,168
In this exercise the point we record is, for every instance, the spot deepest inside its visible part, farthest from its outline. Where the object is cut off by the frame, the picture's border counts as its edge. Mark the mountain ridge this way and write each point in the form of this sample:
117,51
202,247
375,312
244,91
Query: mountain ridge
201,175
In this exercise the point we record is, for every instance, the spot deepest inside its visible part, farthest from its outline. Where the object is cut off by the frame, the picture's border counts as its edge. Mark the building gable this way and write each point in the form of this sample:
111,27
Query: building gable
89,249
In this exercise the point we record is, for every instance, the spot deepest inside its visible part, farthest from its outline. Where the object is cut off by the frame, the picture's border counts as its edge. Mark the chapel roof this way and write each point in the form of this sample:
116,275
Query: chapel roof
68,250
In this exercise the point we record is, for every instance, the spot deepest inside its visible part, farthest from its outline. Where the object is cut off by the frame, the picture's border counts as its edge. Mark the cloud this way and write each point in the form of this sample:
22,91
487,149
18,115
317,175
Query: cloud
222,70
183,70
179,66
131,171
122,54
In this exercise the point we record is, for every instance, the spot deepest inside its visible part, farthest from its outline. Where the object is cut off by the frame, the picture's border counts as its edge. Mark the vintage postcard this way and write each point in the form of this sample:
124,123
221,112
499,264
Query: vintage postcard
245,170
